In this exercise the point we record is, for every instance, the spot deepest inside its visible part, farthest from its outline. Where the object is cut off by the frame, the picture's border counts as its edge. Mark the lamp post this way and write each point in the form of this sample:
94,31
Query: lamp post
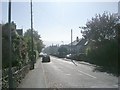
32,59
10,52
71,41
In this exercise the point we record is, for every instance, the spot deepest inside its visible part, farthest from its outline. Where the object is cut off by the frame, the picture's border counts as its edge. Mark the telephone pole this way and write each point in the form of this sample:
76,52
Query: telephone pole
32,59
71,41
10,76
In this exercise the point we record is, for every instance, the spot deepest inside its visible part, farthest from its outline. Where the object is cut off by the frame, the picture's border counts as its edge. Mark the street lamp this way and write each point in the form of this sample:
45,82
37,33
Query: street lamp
32,59
10,77
71,41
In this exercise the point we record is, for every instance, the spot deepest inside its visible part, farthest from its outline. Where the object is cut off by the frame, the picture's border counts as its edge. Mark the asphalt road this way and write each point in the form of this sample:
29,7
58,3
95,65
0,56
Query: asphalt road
62,73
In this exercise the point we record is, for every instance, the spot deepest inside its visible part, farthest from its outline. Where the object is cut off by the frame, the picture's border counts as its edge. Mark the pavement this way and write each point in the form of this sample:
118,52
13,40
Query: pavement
35,78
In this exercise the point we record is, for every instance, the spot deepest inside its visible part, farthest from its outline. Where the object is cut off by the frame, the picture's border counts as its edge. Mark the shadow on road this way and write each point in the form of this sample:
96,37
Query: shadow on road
73,62
108,70
45,62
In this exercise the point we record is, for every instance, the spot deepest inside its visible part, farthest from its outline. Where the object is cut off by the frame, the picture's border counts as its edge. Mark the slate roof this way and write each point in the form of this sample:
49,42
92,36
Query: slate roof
20,31
79,42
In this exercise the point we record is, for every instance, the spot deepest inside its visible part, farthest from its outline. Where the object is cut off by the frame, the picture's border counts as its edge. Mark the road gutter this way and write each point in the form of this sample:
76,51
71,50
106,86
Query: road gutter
44,76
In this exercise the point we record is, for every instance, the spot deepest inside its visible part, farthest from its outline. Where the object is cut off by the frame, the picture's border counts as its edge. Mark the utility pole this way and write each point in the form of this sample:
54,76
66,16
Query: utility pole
10,76
71,46
71,41
32,59
119,8
62,42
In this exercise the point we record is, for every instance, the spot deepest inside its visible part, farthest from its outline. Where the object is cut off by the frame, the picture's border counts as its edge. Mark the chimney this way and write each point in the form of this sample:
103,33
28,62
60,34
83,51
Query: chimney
77,39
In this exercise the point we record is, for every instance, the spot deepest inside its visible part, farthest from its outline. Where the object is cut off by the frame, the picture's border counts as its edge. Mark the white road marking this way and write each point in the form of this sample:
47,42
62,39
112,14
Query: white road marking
86,74
65,61
80,74
116,85
78,70
67,74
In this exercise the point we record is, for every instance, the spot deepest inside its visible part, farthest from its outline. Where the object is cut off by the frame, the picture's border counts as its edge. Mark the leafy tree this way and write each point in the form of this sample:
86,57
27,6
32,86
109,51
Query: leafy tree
53,50
37,42
101,27
18,46
102,34
62,51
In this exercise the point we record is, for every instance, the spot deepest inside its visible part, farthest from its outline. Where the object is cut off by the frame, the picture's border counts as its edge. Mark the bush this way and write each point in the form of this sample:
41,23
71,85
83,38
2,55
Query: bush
105,56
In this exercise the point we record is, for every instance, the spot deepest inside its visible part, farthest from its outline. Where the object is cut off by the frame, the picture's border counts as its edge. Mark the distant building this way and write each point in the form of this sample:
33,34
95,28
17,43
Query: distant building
78,46
53,50
20,31
5,29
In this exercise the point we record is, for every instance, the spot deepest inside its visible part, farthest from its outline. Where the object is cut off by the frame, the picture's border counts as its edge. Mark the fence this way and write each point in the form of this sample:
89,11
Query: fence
18,75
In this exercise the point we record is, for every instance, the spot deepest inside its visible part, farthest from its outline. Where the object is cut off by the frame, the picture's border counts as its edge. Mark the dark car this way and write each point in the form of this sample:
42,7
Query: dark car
46,58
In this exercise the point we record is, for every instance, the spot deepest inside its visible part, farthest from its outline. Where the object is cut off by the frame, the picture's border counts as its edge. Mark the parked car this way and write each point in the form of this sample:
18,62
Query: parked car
41,54
68,56
46,58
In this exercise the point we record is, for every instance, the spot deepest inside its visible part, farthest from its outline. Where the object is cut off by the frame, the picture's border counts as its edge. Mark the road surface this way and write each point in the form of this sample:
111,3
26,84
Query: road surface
61,73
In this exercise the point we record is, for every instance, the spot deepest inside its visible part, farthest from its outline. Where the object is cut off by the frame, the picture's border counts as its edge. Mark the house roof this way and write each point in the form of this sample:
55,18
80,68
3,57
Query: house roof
79,42
75,42
83,42
19,31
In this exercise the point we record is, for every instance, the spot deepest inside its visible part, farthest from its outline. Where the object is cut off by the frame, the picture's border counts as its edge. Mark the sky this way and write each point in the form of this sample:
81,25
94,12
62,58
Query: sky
54,20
